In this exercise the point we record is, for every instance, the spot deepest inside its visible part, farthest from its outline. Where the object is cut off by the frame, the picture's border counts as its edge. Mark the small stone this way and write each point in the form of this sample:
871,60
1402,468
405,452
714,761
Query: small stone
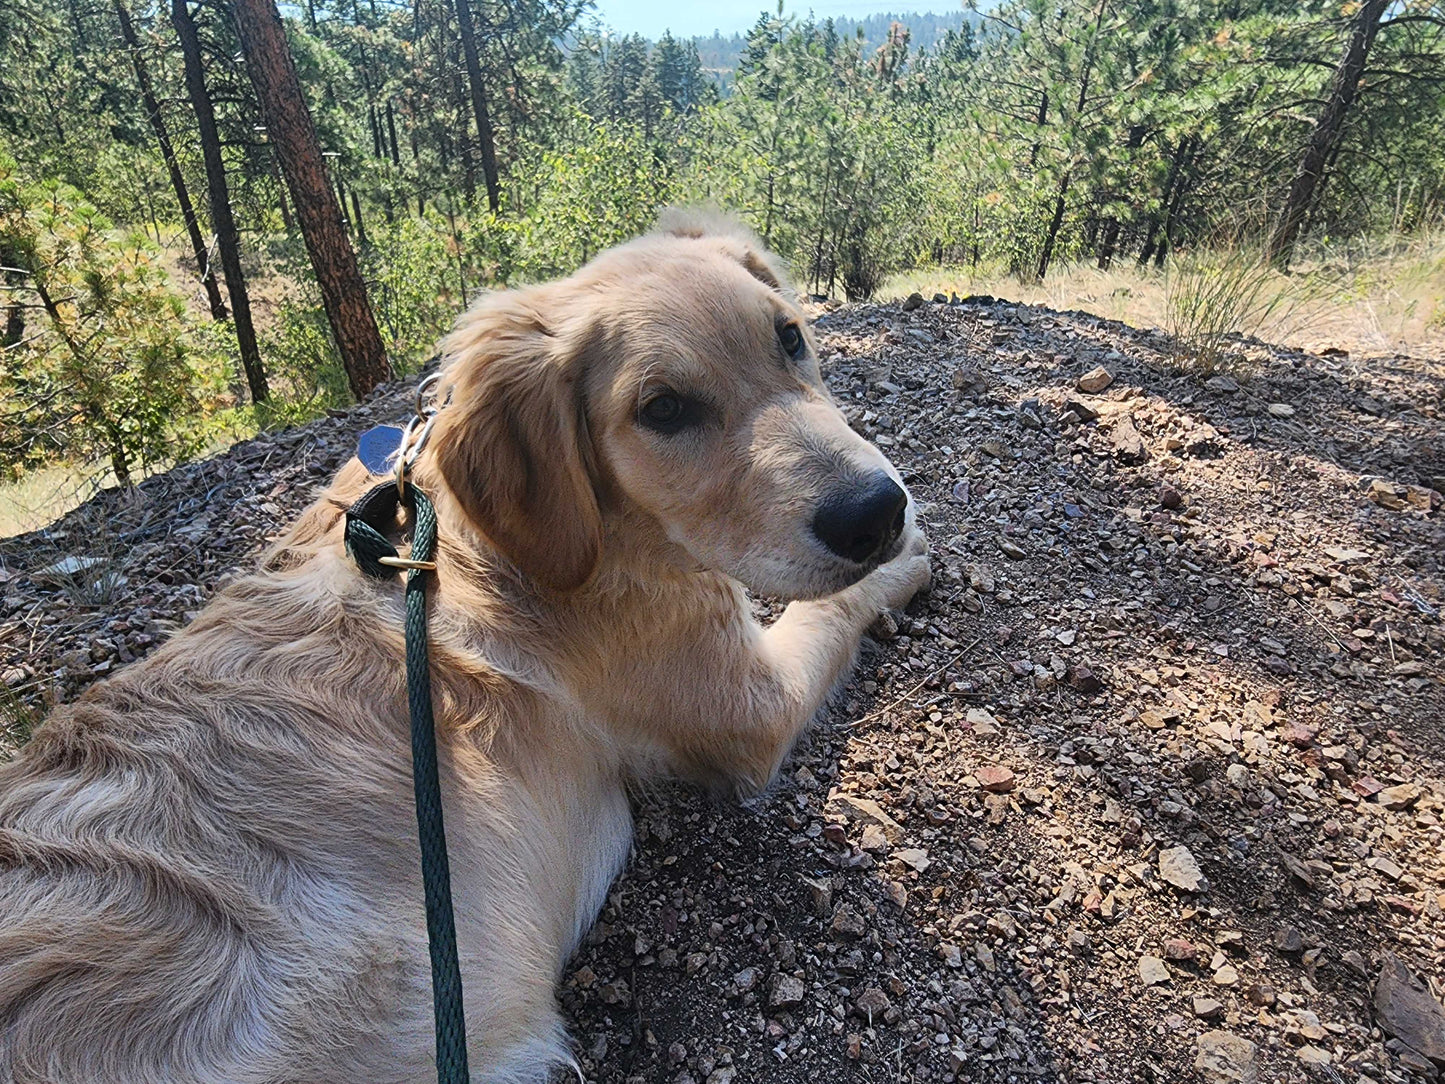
1288,940
1401,797
786,992
864,811
914,858
1225,1058
1260,994
1405,1009
1226,976
872,1003
995,778
981,721
913,301
1152,970
1083,411
1312,1057
1386,868
1178,867
1300,735
1127,443
950,954
848,924
874,841
1176,948
745,980
1095,381
1012,549
1385,495
1170,497
1281,410
1225,385
853,1046
1084,680
1207,1008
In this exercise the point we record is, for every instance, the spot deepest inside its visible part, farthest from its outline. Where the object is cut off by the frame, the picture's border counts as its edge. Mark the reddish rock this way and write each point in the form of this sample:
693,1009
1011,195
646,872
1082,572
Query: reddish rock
995,779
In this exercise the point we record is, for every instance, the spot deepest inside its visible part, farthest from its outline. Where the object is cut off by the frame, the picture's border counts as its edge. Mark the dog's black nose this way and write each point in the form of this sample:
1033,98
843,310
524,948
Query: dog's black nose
860,524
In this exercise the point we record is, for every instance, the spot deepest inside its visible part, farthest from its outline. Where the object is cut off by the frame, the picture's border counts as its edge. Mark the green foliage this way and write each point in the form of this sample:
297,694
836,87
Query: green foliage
106,363
1022,134
605,188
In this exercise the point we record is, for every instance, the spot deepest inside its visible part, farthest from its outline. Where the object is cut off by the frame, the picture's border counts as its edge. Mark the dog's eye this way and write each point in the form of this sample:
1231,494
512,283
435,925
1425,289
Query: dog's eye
665,413
791,336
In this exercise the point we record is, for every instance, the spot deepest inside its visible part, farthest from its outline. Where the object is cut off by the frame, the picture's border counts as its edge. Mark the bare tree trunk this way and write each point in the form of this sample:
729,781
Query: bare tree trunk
343,290
391,131
356,214
228,240
1181,188
479,105
469,172
1326,135
1048,253
286,219
14,309
1150,239
178,181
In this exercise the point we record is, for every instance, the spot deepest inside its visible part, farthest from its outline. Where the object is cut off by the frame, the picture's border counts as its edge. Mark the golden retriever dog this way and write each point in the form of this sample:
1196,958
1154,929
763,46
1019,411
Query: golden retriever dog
209,868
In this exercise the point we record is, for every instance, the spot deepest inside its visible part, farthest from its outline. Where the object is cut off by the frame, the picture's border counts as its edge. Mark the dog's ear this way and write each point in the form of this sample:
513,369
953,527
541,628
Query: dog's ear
510,443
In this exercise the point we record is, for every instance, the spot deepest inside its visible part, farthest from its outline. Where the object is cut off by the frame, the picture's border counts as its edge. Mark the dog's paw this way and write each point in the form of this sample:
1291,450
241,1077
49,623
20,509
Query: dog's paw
892,586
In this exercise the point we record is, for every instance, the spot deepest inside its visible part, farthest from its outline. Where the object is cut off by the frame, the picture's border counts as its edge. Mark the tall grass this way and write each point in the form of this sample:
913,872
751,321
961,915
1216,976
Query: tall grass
1215,298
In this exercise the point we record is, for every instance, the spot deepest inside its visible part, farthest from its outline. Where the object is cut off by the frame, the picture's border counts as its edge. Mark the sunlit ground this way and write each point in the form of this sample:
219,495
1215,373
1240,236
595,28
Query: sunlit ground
1389,298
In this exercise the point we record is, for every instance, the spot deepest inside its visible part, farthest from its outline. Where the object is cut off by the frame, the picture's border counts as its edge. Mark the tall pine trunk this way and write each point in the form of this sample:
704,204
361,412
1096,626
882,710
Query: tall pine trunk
1327,132
228,240
1151,237
173,167
485,133
1046,257
288,124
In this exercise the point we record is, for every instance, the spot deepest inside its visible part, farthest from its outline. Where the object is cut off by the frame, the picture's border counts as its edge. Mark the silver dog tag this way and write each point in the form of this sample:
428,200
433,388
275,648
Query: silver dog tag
377,448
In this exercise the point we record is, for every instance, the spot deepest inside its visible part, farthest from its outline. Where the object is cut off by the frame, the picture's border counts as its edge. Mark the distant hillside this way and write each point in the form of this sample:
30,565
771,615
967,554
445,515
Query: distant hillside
720,52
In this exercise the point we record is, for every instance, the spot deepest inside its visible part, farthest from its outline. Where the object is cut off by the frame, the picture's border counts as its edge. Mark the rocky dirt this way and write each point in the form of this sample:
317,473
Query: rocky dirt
1150,787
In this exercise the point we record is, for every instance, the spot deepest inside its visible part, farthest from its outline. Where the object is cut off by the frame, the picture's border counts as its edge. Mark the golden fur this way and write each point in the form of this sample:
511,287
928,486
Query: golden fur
208,864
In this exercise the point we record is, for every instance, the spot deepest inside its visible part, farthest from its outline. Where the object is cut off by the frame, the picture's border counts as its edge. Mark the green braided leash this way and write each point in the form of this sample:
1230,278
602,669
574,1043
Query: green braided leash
367,523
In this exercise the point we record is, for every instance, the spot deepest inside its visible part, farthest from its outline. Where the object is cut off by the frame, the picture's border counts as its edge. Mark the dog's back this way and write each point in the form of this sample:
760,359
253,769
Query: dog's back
162,920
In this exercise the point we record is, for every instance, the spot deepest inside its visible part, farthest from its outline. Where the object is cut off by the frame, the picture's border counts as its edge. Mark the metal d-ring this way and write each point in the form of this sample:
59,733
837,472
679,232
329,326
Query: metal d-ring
427,385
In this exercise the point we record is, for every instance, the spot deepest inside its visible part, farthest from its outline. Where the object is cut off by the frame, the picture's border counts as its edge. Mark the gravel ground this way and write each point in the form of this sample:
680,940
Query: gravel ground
1149,787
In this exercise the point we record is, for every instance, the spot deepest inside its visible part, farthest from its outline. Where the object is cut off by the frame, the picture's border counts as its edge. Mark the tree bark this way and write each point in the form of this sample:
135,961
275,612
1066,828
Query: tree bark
289,126
1181,188
1150,238
173,167
485,134
1328,129
228,240
469,173
1046,257
14,310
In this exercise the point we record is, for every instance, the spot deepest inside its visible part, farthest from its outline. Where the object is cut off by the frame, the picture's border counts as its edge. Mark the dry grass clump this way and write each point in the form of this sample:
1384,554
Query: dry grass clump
1365,296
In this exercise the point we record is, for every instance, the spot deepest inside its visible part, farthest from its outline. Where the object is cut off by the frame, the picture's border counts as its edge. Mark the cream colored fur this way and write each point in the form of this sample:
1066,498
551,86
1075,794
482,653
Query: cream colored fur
208,864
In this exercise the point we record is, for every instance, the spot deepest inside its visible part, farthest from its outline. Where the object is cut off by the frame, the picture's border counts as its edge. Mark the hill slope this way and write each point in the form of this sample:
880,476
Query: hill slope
1208,619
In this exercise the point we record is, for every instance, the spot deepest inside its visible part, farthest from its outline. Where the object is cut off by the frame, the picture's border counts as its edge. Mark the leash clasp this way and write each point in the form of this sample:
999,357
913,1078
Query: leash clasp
421,426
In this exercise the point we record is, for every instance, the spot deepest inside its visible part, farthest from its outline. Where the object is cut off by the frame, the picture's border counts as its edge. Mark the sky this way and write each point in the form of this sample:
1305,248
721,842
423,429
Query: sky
651,17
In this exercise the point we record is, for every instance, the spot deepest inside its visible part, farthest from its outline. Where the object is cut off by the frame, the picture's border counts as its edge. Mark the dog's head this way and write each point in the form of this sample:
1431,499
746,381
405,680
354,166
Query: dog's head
670,386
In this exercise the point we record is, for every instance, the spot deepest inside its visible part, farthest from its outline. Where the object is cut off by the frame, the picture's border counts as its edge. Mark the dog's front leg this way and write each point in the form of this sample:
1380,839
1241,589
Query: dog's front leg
803,655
